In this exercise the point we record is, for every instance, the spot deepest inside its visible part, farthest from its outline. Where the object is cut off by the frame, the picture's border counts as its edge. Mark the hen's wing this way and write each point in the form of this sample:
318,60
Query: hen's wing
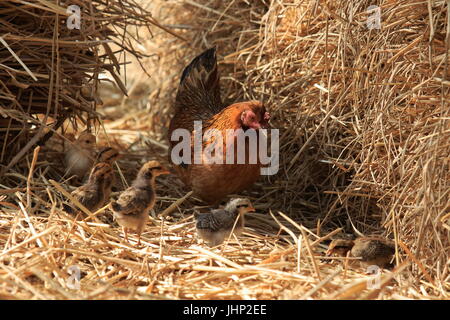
215,220
198,96
129,202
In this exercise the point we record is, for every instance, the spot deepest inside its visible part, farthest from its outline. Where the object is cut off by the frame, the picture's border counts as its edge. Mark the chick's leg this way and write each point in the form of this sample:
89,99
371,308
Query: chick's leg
125,232
139,231
139,239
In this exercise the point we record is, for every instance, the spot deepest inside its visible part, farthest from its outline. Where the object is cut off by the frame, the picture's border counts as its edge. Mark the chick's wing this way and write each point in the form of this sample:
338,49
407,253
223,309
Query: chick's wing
131,201
215,220
88,196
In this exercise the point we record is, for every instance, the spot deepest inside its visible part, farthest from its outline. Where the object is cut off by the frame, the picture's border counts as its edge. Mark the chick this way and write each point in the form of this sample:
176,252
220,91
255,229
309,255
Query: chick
96,192
80,155
109,155
371,250
213,227
132,208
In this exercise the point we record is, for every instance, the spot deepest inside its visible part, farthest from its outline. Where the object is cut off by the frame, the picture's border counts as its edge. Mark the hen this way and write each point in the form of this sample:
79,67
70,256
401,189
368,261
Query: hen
198,99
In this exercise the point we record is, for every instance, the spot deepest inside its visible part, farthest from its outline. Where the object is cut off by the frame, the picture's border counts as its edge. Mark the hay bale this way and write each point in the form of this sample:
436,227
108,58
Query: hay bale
364,114
49,68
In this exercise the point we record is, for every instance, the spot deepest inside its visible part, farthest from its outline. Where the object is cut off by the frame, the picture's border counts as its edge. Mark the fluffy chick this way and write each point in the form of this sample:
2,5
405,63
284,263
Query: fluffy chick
97,190
132,208
80,155
371,250
213,227
109,155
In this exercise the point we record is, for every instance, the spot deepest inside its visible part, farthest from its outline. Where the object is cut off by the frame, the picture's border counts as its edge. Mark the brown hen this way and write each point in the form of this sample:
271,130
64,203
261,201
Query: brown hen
198,99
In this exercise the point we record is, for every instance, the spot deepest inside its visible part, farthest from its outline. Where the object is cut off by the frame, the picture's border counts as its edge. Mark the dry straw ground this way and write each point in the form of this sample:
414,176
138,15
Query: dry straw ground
365,143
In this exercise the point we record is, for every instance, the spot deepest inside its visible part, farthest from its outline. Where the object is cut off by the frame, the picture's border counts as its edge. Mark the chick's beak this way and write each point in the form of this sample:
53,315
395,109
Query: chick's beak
164,171
251,209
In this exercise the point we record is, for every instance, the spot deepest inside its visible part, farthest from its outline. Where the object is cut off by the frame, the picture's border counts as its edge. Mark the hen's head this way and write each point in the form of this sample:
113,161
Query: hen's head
254,116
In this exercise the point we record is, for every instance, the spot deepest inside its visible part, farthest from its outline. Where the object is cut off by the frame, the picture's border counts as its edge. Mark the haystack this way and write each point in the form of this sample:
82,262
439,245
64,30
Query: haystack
363,110
52,55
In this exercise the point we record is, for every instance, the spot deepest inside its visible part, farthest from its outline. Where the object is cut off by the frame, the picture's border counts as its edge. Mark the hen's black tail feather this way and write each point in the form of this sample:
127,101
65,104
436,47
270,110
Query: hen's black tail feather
199,87
206,60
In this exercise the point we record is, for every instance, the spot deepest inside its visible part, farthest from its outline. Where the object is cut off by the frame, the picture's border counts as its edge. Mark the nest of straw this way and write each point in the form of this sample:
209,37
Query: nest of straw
363,118
49,70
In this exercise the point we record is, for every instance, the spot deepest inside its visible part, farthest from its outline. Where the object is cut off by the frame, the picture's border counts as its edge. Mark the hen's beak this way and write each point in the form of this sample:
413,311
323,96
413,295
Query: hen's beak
256,126
266,118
